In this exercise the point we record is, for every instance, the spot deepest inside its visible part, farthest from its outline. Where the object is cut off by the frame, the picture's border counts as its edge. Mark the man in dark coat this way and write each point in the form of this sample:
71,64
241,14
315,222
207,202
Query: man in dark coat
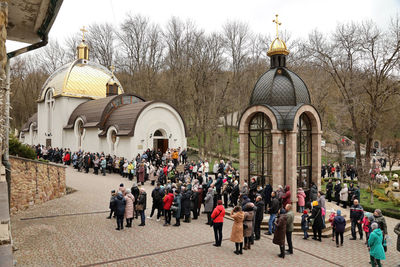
157,196
186,203
267,196
356,217
338,188
235,193
253,189
135,192
218,185
194,203
259,217
329,189
119,203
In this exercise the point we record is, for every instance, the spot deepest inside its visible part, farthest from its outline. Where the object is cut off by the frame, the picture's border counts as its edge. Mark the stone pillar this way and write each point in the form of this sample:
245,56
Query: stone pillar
244,156
316,158
3,62
291,164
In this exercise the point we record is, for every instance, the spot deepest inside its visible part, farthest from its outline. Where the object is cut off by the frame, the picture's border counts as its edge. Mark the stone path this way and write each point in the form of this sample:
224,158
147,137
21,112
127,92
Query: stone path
73,231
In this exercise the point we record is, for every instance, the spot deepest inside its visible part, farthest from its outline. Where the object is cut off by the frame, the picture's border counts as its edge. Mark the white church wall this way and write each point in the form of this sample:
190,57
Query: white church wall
90,142
42,117
158,116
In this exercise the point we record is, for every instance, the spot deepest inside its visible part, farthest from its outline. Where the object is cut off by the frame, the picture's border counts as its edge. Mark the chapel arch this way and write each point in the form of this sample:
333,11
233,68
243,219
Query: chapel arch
79,132
112,140
160,140
307,126
49,104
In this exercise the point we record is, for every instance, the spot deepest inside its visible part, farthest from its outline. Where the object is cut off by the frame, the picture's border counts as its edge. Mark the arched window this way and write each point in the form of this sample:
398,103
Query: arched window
79,132
113,137
304,141
49,102
260,148
158,133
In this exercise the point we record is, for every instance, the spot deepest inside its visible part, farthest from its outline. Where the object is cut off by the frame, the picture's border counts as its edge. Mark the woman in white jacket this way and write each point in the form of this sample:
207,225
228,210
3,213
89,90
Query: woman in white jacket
344,195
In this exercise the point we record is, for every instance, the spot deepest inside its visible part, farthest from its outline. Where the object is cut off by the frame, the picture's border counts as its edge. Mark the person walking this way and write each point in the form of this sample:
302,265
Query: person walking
120,210
289,227
129,199
273,211
218,220
339,224
259,217
316,220
280,232
168,199
248,224
376,250
237,229
356,217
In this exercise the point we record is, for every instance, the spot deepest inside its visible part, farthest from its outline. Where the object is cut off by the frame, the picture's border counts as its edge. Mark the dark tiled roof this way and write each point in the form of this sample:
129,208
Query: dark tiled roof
280,87
32,119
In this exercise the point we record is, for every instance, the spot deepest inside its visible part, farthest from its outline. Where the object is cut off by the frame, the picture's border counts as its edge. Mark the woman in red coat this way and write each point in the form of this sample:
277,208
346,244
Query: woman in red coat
218,218
168,199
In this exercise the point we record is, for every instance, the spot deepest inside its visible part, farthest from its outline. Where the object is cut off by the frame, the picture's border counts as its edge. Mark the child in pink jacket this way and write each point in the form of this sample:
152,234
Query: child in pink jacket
300,199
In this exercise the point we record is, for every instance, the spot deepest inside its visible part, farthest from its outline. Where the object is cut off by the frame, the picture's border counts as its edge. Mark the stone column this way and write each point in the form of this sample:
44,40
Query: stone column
316,158
291,164
244,156
3,62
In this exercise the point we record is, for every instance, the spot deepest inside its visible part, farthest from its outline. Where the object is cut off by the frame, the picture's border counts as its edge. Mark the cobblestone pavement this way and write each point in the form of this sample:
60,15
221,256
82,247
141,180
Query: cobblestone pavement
74,231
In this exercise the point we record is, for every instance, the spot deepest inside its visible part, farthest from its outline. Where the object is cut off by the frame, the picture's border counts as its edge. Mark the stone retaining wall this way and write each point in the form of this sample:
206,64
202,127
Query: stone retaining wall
34,182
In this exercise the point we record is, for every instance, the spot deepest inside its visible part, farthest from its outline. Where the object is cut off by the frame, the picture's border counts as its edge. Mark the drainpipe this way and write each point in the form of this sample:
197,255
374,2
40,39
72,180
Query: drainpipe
284,157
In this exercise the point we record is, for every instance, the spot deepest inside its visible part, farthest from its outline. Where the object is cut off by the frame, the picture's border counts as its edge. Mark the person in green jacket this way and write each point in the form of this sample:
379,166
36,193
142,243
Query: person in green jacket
376,251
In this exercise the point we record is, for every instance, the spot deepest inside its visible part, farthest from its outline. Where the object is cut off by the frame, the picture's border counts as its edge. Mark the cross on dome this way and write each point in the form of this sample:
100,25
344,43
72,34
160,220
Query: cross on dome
83,30
277,25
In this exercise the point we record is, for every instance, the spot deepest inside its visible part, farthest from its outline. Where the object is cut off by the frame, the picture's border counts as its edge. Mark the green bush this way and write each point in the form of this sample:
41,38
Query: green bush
20,150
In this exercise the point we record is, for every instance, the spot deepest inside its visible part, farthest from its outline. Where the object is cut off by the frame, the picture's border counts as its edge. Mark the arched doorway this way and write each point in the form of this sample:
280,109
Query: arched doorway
260,148
160,140
304,152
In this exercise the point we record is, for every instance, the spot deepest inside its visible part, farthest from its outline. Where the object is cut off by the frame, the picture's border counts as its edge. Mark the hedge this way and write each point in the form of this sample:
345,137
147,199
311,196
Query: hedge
16,148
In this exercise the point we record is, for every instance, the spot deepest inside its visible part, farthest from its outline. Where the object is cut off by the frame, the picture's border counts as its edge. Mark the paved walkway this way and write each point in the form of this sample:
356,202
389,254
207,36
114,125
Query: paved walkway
73,231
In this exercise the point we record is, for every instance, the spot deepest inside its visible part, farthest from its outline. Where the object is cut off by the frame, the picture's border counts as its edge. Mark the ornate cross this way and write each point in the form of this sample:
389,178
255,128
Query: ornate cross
277,25
83,30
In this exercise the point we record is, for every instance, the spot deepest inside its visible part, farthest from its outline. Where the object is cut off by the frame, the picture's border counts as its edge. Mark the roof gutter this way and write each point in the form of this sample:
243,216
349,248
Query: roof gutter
28,48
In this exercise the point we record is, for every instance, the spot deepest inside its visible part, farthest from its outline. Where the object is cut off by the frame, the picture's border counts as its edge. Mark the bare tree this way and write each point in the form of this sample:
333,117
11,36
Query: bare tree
101,41
361,59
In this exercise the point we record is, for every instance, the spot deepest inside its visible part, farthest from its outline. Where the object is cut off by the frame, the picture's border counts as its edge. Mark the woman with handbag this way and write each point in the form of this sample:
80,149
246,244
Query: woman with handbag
316,220
141,206
218,220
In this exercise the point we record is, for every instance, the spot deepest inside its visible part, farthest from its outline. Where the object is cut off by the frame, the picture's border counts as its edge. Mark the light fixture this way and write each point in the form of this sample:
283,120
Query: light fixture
281,141
151,135
170,135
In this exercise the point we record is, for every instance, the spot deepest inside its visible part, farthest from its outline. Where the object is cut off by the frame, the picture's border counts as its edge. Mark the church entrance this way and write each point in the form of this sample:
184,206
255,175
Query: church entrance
160,140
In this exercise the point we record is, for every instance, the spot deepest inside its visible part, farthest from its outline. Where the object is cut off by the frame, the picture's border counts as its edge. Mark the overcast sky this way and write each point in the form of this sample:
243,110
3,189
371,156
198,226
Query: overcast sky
297,17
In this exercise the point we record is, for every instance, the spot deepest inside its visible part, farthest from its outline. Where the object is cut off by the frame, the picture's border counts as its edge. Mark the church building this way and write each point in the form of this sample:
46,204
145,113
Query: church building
82,106
280,131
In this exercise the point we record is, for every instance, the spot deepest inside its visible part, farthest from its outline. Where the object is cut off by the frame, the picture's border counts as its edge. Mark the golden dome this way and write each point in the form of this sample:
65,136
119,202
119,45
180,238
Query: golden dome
82,79
277,47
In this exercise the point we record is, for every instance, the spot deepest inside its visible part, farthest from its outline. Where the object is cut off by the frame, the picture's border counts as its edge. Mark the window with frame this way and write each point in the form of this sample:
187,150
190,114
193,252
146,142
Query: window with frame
260,148
304,151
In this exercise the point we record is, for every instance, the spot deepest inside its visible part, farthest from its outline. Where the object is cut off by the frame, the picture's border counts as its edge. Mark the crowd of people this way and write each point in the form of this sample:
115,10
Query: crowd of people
184,193
339,171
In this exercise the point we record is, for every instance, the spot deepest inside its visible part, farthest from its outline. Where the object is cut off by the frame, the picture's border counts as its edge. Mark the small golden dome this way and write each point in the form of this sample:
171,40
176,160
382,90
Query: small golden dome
277,47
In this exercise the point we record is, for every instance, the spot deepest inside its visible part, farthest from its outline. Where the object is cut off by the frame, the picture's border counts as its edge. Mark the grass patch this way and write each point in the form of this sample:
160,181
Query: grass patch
388,208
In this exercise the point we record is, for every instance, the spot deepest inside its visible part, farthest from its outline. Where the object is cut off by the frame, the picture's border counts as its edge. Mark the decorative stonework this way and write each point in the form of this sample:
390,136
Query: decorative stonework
34,182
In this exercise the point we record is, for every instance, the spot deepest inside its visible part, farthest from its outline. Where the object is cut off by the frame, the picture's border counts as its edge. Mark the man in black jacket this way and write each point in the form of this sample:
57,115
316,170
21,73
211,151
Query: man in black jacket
338,187
329,189
259,216
273,211
119,204
356,217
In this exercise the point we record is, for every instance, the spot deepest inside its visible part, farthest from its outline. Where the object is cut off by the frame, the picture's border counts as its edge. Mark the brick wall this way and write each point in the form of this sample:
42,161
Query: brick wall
34,182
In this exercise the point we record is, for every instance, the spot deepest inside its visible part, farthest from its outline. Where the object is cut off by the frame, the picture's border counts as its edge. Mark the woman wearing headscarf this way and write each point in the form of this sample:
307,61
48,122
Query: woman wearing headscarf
237,229
316,220
129,199
280,232
248,224
208,204
380,220
344,195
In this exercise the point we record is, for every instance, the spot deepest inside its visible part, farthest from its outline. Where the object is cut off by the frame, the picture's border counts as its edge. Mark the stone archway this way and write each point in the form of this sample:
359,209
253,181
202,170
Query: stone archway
267,163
